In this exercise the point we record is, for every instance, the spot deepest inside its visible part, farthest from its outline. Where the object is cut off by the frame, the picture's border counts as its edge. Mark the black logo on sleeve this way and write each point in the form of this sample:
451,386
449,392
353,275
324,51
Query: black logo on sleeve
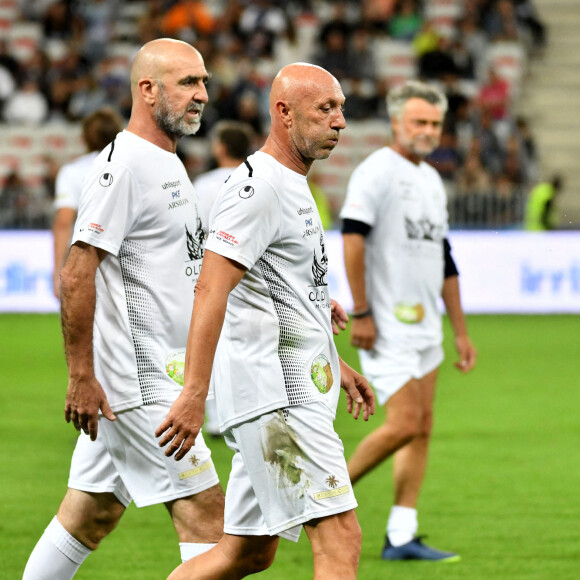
246,192
106,179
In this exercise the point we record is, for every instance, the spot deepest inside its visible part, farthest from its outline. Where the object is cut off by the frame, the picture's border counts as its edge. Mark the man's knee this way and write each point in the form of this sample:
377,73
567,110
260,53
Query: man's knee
90,517
200,517
259,560
406,424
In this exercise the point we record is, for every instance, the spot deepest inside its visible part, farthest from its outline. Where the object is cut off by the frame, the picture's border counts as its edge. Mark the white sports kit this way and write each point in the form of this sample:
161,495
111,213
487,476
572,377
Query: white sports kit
406,206
276,355
69,180
138,204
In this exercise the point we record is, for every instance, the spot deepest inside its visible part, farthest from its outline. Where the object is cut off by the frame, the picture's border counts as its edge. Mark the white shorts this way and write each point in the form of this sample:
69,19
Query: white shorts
126,460
288,468
392,368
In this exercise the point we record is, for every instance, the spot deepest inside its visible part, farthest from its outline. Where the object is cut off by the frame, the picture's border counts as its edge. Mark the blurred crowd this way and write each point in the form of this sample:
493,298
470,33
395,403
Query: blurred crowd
60,60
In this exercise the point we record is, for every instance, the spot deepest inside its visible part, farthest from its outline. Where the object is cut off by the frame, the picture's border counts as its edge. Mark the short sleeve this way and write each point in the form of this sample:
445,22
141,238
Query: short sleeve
108,208
244,221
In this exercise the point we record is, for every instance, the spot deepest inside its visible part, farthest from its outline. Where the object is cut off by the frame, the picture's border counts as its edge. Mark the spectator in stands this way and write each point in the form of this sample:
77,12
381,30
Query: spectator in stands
27,105
494,95
361,99
446,158
334,54
406,22
512,163
527,16
261,22
500,23
473,178
98,19
14,200
437,64
377,13
188,18
487,143
361,57
61,22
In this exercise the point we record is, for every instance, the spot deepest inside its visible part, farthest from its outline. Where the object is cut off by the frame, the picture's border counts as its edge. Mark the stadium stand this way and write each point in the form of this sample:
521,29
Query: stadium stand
78,56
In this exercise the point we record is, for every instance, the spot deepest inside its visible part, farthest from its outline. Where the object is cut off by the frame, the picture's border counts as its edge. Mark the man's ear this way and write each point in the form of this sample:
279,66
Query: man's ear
285,113
149,90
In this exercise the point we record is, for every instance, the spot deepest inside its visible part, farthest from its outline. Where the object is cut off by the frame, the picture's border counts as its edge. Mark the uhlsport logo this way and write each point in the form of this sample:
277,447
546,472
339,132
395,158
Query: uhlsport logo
106,179
246,192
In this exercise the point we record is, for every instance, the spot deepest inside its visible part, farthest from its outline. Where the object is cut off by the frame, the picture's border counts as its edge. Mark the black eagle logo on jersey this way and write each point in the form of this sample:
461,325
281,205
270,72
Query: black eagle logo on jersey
195,243
320,269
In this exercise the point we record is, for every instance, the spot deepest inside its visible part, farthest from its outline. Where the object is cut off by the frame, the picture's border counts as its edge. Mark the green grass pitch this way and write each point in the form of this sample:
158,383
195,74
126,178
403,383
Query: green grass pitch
501,488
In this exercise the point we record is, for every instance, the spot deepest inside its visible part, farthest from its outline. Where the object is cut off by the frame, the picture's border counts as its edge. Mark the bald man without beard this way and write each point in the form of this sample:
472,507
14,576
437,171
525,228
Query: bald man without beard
140,228
276,363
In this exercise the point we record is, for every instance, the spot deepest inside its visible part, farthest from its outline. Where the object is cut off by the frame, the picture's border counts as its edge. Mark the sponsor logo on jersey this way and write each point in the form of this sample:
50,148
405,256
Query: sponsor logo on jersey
331,492
95,228
246,192
227,238
178,203
423,229
321,374
409,313
169,184
308,222
106,179
310,231
175,365
304,210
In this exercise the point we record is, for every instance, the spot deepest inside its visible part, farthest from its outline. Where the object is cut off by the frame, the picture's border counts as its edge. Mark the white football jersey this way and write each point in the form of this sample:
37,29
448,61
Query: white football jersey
406,206
276,347
207,186
139,205
69,181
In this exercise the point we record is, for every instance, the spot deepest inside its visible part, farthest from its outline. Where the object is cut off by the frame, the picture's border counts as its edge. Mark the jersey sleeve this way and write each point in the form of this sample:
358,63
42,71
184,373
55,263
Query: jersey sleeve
108,208
244,221
366,187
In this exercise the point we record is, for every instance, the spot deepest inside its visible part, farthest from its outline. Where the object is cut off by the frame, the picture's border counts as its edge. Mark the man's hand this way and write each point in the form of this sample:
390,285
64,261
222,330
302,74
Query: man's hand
181,426
84,399
467,354
359,394
363,332
339,317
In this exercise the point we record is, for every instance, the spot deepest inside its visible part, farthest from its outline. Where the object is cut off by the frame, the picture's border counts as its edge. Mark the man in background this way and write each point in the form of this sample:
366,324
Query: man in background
98,130
398,263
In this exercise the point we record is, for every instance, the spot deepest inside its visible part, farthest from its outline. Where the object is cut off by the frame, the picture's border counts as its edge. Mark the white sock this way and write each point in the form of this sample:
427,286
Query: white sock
189,551
402,525
56,556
